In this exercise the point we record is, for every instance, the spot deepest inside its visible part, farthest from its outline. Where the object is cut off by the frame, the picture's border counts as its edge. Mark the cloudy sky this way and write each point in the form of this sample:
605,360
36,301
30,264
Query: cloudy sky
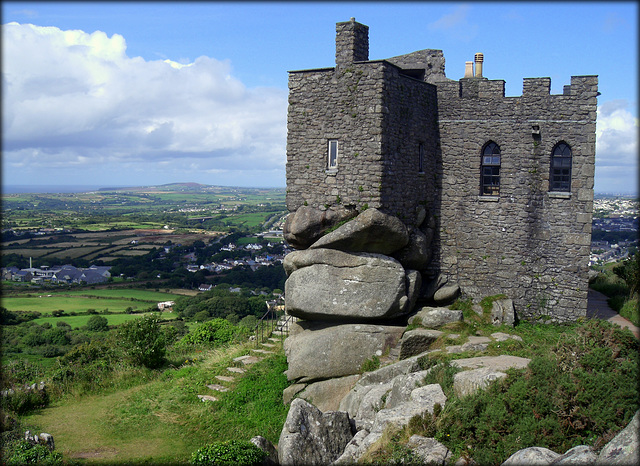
117,94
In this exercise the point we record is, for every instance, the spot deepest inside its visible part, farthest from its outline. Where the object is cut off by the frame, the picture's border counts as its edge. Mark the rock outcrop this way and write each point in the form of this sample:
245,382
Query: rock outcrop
306,225
320,350
312,437
330,285
371,231
350,292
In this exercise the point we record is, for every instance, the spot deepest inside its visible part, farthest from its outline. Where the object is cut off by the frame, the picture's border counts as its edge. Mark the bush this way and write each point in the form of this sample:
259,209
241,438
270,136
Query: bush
562,400
232,452
23,399
97,323
214,332
23,452
144,341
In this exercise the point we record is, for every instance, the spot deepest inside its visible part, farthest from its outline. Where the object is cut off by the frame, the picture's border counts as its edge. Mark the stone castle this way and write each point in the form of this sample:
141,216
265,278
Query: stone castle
495,192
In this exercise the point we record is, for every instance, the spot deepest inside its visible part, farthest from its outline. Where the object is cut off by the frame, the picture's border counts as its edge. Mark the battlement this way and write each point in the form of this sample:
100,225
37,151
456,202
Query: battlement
581,87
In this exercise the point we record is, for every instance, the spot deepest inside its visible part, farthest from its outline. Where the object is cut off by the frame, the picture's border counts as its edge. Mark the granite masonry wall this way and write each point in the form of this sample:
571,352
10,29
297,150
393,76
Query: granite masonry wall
527,243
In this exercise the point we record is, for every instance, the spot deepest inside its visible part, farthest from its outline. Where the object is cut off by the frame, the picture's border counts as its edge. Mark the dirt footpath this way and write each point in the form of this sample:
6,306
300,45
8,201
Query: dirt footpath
598,308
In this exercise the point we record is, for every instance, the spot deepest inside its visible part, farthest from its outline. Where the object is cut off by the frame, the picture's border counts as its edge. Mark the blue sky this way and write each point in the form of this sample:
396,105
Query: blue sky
158,92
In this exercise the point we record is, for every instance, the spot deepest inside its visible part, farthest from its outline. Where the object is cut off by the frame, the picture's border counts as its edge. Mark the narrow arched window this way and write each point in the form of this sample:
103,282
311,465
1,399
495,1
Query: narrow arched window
490,170
560,177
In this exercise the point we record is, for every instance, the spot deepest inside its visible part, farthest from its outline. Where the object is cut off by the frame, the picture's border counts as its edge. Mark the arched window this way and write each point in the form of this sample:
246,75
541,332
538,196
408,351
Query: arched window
490,170
560,177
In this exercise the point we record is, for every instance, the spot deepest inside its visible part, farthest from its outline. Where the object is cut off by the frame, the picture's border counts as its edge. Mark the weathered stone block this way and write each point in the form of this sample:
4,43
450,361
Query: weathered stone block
332,285
322,351
312,437
417,341
371,231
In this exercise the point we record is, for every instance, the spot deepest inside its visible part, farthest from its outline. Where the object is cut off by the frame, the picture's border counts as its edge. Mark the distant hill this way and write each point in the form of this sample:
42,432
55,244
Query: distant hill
185,187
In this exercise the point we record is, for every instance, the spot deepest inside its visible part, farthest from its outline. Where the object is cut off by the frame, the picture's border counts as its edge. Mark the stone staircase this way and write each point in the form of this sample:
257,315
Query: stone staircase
225,382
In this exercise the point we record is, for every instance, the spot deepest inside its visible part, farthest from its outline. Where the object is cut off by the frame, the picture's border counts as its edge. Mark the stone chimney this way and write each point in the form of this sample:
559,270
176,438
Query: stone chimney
352,42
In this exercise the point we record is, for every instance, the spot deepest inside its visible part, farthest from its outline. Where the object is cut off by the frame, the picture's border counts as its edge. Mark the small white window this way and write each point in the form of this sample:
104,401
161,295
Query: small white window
332,161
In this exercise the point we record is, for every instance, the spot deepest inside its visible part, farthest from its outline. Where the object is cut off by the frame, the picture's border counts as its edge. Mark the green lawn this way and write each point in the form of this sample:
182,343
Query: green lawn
81,321
47,304
160,420
145,295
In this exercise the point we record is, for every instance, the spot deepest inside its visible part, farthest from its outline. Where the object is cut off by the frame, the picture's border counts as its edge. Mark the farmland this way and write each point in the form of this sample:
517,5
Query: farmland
171,207
82,300
106,225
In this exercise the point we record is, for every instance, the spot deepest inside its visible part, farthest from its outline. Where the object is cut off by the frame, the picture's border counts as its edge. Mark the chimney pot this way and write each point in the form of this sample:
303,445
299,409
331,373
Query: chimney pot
479,58
468,69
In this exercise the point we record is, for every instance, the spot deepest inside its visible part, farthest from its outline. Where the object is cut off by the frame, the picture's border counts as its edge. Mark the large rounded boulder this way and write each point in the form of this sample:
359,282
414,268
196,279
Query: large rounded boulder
331,285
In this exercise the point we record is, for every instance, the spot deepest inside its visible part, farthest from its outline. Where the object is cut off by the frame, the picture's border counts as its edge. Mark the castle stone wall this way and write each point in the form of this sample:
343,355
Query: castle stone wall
410,120
346,105
527,243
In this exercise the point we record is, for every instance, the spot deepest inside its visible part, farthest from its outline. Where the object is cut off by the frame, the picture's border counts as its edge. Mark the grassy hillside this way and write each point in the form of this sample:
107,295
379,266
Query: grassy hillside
156,417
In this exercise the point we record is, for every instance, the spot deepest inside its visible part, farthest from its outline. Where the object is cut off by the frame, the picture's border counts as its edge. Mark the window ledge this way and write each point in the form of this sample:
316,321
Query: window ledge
331,171
488,198
560,194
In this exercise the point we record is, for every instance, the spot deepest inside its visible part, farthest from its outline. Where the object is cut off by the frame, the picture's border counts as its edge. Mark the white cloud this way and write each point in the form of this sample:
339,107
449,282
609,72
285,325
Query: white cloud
76,99
456,24
616,148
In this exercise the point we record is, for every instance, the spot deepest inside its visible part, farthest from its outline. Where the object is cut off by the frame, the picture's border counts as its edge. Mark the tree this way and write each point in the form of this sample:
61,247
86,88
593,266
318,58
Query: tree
629,271
97,324
144,341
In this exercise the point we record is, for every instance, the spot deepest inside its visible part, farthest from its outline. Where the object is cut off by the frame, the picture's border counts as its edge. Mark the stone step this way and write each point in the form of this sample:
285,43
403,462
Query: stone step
207,398
237,370
279,340
269,345
262,351
250,360
218,388
225,378
241,358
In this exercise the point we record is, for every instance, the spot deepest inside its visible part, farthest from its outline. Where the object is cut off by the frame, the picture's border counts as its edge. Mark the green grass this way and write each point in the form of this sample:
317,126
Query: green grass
47,304
161,420
144,295
81,321
630,310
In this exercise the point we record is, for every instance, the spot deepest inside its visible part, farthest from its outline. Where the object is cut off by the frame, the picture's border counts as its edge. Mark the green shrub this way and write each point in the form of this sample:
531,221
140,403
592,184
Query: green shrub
370,364
23,452
97,324
22,400
144,341
231,452
561,400
214,332
441,374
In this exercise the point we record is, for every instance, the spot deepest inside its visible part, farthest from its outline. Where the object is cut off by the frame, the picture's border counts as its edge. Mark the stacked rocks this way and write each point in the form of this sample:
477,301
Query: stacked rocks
352,287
